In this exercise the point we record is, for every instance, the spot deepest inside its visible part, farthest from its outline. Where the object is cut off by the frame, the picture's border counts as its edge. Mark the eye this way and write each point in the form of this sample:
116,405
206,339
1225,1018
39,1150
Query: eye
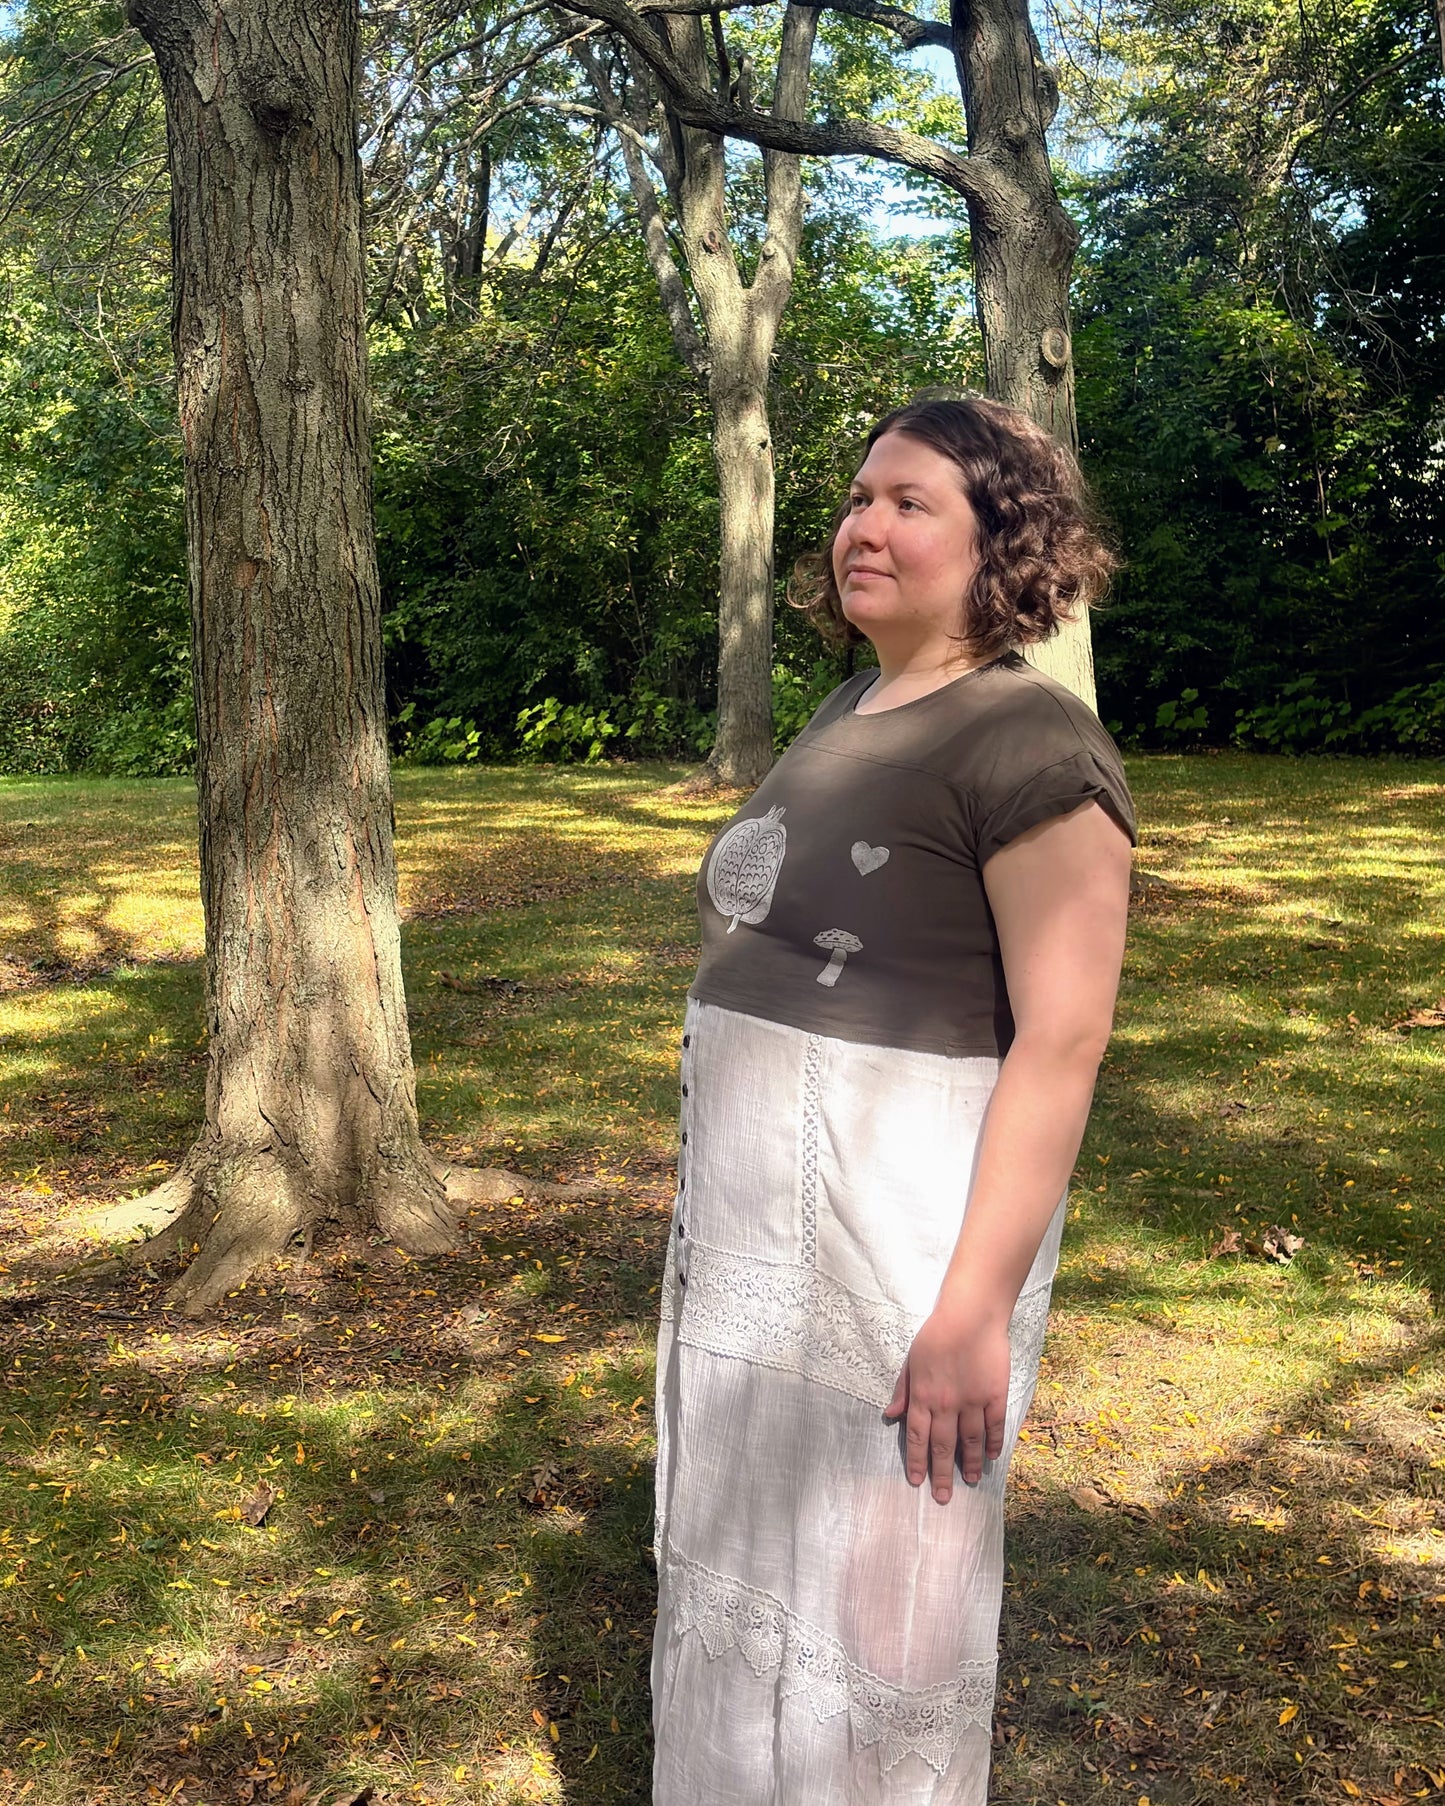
856,501
908,505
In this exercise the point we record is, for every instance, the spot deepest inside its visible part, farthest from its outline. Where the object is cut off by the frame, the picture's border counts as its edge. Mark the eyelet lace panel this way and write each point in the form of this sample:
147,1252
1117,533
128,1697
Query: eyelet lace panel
796,1319
812,1087
813,1666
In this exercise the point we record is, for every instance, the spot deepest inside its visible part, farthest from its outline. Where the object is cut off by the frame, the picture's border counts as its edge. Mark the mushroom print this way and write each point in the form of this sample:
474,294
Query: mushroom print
841,944
743,870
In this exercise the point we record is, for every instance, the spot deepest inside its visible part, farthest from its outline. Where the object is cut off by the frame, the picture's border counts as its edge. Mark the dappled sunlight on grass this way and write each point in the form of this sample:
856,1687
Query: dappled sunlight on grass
1231,1497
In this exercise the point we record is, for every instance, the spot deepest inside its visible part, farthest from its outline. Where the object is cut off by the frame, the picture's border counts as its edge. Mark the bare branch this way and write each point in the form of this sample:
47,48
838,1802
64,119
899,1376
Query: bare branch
672,289
782,174
698,106
911,31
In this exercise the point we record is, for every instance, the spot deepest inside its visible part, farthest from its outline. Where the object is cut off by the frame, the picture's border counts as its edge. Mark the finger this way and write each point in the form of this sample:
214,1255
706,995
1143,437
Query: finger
916,1445
942,1447
898,1404
995,1417
971,1437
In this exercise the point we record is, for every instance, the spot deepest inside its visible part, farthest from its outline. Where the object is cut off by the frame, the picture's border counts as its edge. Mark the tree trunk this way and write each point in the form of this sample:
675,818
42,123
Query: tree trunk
743,451
733,350
310,1097
1023,250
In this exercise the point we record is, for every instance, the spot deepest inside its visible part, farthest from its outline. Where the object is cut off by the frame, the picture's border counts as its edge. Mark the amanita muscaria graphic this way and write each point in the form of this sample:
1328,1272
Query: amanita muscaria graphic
841,944
744,867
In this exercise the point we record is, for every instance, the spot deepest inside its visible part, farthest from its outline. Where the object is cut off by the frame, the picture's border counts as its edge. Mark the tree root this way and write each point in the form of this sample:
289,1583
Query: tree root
411,1207
245,1212
705,783
239,1211
154,1214
468,1185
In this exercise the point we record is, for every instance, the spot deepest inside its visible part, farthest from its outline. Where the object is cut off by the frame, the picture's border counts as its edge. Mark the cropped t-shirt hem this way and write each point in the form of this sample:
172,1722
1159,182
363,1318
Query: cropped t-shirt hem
810,1022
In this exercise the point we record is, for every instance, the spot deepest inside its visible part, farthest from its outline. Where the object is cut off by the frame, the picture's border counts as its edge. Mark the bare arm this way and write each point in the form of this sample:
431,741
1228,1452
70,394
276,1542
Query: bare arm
1060,896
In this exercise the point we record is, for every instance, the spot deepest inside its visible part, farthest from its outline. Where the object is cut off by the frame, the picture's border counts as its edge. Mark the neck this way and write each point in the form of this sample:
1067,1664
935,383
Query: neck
910,669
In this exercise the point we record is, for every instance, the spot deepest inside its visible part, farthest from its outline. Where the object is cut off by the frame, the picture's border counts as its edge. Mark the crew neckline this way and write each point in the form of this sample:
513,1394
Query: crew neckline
899,707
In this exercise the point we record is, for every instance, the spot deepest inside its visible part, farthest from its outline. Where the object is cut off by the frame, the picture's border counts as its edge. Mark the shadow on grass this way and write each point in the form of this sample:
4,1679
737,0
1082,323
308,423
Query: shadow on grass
1269,1631
451,1590
454,1578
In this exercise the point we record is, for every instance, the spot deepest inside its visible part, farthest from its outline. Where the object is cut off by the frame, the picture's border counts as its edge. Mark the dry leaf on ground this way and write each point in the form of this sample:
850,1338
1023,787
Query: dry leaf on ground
1279,1245
260,1502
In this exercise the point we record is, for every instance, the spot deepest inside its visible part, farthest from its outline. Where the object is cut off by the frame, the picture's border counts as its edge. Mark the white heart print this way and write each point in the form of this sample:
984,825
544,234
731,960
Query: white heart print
868,859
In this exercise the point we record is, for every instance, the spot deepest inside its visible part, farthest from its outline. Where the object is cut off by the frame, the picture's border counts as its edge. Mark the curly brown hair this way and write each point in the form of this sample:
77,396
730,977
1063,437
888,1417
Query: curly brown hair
1042,554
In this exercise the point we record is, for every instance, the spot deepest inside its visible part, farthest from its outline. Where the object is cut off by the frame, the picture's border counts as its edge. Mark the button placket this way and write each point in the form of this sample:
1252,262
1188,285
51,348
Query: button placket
682,1160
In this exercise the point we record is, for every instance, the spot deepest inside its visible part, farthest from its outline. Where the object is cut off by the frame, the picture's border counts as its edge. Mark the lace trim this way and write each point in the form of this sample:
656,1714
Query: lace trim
1026,1329
812,1087
813,1666
793,1319
798,1320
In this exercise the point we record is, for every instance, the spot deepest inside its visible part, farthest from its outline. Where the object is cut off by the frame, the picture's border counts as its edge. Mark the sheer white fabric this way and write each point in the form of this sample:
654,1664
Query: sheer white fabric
826,1632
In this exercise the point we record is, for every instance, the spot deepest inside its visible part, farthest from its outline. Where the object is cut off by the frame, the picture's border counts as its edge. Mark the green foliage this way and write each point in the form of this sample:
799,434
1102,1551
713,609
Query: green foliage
156,739
1302,719
796,695
1257,334
1260,378
1181,721
566,732
435,742
547,504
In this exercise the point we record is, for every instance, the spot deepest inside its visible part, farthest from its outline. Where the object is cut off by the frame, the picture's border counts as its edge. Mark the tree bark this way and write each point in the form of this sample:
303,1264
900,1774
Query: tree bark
1023,251
310,1097
732,351
742,447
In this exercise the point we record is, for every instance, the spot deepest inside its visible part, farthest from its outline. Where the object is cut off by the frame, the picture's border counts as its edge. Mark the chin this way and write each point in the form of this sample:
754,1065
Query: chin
866,612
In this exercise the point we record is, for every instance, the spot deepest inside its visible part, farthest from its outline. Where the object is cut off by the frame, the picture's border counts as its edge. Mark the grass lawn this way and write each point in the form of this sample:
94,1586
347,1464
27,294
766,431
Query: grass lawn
383,1524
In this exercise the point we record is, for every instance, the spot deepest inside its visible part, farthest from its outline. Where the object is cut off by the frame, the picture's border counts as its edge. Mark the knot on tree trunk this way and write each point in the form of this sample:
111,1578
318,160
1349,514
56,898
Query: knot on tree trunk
279,100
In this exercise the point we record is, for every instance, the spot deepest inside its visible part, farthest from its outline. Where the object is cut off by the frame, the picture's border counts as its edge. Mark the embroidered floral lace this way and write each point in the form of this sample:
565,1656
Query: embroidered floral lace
796,1319
728,1615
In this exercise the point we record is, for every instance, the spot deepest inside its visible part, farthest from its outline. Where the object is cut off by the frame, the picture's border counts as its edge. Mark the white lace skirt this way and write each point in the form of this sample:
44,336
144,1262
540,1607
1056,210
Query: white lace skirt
826,1633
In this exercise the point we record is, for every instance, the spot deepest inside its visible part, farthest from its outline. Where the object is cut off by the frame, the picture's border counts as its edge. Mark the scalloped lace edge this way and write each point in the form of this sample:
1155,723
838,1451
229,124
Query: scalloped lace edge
796,1319
725,1614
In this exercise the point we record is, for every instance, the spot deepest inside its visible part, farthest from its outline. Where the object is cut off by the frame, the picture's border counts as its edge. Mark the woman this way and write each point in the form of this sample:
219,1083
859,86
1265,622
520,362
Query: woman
912,937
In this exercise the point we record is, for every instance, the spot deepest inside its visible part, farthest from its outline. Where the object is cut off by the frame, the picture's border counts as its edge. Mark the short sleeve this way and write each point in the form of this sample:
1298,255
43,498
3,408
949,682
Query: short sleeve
1084,776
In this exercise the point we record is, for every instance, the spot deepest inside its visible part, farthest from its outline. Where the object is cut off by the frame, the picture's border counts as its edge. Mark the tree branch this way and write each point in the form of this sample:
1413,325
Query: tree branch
676,303
1353,94
698,106
782,174
911,31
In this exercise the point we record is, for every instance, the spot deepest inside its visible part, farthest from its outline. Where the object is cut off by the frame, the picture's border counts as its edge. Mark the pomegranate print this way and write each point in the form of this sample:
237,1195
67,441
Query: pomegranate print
744,867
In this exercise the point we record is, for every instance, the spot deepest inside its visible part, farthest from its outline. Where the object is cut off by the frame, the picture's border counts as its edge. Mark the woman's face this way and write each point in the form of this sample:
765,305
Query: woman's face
906,553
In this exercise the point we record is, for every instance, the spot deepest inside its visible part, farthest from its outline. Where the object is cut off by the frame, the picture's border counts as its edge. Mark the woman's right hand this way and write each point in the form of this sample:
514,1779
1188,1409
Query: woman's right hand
953,1390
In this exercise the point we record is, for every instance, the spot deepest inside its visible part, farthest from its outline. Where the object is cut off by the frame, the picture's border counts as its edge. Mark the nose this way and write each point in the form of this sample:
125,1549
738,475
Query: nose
864,526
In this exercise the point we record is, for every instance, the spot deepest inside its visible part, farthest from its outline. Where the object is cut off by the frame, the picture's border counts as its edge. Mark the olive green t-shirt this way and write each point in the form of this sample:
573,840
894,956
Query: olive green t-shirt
846,897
